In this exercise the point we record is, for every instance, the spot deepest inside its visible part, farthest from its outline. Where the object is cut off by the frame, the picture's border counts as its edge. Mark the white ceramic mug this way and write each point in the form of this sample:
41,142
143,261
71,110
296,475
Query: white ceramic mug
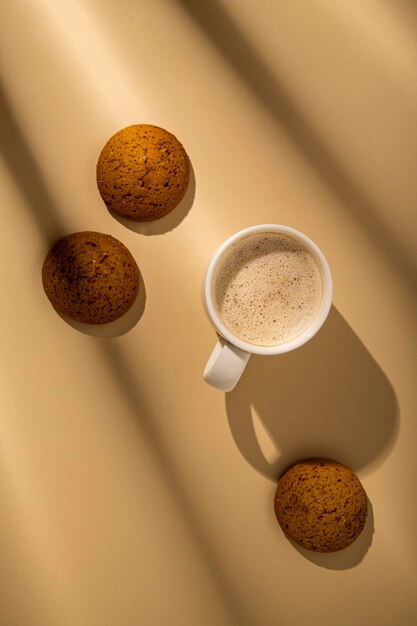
231,354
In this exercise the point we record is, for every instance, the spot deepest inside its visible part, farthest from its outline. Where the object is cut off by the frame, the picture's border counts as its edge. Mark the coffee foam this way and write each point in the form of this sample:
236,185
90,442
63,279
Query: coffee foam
268,289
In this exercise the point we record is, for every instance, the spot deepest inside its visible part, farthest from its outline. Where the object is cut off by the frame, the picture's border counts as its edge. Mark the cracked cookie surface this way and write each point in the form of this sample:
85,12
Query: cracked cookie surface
91,277
142,172
321,505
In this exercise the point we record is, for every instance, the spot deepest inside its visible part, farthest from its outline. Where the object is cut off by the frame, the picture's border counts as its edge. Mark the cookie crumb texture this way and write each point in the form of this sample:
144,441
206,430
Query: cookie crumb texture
321,505
91,277
142,172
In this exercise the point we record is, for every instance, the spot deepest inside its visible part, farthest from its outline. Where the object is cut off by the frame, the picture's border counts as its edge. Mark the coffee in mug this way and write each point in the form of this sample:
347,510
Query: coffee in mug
267,290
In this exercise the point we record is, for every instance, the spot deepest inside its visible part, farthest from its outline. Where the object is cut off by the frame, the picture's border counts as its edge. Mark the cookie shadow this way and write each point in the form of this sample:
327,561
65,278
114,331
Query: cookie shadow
328,398
168,222
119,327
348,557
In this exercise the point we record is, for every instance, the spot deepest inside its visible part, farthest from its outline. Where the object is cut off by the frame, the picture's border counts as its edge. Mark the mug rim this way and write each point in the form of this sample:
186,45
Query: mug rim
304,336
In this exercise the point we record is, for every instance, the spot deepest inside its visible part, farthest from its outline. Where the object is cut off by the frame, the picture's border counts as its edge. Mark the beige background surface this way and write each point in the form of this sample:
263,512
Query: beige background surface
131,492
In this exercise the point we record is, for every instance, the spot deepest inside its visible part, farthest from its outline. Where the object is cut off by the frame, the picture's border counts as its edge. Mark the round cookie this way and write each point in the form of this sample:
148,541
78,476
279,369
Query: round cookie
142,172
91,277
321,505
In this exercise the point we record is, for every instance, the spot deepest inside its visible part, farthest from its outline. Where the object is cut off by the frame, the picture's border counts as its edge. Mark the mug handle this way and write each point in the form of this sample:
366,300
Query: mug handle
225,365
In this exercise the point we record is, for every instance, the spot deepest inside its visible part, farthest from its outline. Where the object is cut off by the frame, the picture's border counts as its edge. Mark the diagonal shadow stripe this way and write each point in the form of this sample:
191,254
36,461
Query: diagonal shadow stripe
28,176
142,413
22,165
220,28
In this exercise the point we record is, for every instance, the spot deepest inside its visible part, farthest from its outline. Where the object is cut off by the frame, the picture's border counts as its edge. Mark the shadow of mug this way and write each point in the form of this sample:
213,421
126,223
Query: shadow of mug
329,398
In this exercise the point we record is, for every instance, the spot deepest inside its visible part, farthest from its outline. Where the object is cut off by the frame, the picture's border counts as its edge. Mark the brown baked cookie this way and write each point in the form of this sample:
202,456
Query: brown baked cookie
142,172
321,505
91,277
